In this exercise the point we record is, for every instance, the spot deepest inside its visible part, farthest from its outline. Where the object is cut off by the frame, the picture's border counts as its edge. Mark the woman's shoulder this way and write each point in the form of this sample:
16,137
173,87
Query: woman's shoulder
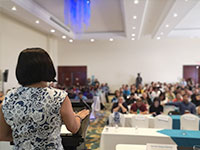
54,92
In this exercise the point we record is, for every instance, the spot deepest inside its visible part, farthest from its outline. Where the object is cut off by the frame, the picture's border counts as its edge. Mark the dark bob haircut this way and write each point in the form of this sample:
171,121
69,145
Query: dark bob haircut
34,65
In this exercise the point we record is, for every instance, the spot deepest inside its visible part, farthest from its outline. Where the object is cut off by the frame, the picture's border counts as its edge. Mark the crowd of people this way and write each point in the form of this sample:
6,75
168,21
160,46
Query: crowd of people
151,98
93,88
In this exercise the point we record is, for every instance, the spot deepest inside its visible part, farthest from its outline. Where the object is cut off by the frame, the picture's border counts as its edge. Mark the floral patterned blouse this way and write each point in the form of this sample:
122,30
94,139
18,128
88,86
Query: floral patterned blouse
34,117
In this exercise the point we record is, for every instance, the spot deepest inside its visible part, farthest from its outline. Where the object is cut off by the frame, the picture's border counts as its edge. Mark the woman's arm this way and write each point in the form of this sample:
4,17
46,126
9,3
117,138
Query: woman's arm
5,130
70,119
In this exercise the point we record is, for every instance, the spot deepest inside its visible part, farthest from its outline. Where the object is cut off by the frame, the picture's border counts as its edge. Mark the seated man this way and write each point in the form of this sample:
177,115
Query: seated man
185,106
131,99
120,106
196,100
71,94
80,96
139,107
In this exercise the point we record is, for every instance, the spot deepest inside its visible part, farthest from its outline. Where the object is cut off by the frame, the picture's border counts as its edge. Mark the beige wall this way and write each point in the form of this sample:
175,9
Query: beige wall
115,62
14,37
118,62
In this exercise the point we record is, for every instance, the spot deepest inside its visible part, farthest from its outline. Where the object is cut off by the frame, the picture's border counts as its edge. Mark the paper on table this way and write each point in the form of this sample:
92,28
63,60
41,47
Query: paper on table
161,147
161,118
139,117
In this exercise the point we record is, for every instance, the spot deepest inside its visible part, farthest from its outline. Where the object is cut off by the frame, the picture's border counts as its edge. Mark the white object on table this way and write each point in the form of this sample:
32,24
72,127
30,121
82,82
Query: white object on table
110,137
130,147
140,121
64,130
5,146
161,147
163,122
189,122
128,120
112,123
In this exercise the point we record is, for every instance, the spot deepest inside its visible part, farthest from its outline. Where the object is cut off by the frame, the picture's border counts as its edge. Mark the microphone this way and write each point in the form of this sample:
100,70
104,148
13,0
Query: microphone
85,104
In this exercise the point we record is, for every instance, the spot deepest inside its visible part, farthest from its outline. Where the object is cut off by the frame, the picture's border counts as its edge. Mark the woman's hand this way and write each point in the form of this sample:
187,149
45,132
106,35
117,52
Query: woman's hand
83,113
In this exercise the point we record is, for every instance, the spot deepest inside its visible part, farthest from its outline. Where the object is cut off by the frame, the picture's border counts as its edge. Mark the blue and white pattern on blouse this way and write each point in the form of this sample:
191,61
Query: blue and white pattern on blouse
34,117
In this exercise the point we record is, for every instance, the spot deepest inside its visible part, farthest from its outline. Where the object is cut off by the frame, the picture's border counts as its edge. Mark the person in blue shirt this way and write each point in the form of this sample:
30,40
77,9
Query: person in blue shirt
126,92
184,106
80,96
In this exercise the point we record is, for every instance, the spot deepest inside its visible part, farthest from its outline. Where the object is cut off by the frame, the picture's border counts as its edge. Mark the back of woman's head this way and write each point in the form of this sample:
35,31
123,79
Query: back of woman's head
34,65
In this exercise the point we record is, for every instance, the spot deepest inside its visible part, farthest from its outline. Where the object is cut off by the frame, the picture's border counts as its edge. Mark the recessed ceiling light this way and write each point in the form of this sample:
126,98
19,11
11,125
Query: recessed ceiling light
111,39
175,15
133,28
52,30
133,34
88,1
70,41
64,37
134,17
166,25
186,0
132,39
136,1
37,21
92,40
161,33
14,8
158,38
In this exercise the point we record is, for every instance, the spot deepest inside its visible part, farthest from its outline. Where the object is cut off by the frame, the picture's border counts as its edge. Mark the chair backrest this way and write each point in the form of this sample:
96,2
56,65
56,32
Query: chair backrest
163,122
121,122
140,121
189,122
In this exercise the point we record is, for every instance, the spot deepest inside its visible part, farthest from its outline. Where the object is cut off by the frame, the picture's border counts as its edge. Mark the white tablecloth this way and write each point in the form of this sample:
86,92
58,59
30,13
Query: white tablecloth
129,116
111,136
130,147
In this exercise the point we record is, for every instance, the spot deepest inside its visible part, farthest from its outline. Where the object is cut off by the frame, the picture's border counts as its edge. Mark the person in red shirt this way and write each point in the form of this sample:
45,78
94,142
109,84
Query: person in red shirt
178,98
139,107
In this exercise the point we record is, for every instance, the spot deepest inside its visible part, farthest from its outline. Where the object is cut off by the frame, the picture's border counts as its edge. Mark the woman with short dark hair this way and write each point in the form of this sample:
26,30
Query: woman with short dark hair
32,114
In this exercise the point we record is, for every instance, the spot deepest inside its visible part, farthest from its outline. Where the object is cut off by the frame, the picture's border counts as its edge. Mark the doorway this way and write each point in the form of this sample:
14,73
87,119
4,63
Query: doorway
191,71
72,75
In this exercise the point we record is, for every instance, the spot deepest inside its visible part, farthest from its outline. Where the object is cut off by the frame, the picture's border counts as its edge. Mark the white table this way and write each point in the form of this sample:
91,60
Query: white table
129,116
111,136
130,147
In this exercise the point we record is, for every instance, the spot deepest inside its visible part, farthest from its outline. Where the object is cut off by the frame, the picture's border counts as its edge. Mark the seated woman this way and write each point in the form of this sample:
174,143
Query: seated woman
120,106
139,107
156,109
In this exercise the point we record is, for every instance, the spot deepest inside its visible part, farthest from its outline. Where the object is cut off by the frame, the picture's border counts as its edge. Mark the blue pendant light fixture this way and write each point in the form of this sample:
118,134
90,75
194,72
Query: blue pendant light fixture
77,14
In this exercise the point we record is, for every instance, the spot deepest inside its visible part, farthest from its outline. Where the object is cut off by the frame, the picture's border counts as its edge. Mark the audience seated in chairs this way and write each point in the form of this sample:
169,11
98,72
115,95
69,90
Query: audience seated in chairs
156,109
120,106
139,107
80,96
117,95
185,106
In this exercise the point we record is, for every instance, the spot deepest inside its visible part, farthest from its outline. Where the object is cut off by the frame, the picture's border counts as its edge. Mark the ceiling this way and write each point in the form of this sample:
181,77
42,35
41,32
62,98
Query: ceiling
116,19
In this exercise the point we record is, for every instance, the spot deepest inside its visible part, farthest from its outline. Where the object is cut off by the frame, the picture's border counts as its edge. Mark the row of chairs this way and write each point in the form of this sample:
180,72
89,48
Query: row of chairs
187,121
